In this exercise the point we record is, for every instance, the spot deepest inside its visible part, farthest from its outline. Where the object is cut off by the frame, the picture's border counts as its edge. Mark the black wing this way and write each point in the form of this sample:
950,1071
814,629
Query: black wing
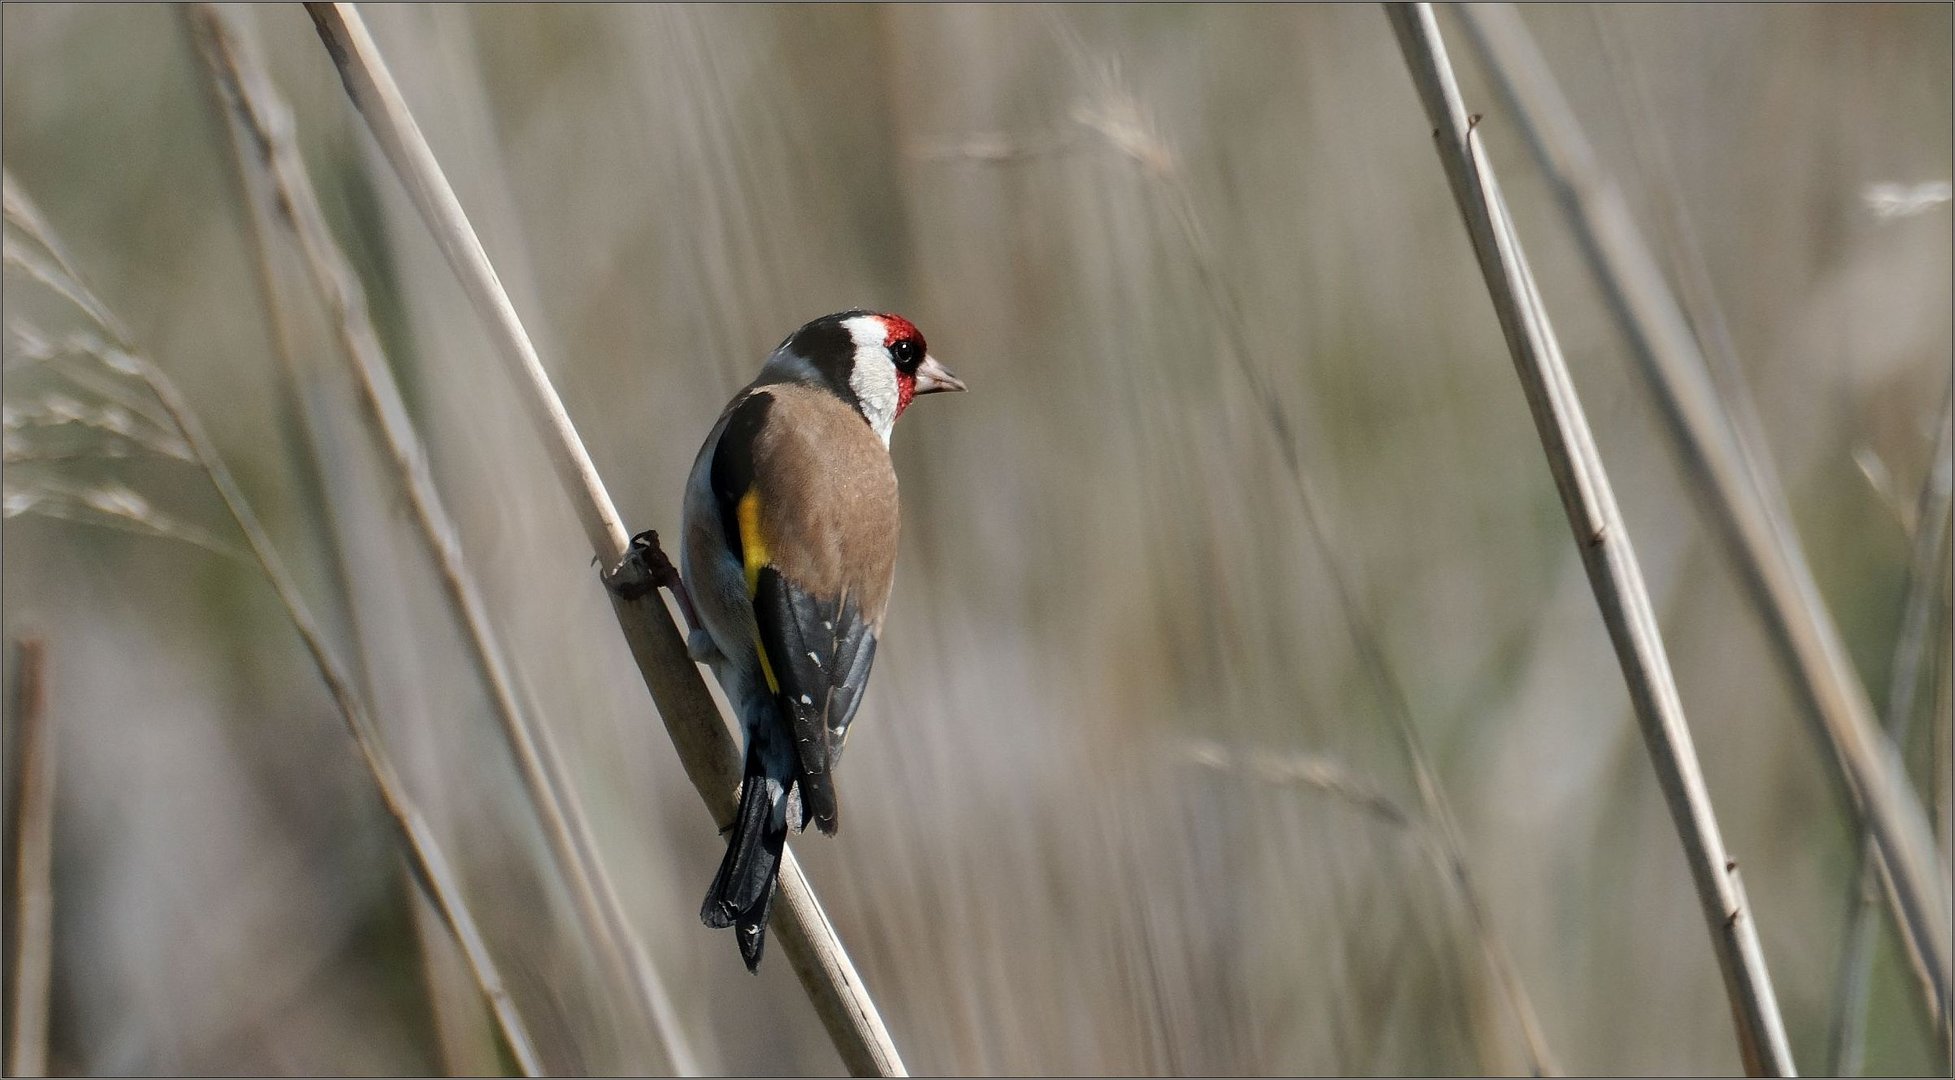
733,464
820,651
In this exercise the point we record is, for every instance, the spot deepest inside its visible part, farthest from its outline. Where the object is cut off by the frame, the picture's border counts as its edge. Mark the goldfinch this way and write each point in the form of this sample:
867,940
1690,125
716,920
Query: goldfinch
787,555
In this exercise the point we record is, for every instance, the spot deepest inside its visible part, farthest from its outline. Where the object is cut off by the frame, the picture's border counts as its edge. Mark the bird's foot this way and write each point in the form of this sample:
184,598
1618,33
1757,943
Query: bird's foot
637,574
644,569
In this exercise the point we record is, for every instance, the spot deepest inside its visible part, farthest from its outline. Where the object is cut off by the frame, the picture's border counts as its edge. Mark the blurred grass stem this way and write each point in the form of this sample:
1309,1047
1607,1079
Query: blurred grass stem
261,141
30,977
1917,632
697,729
1121,124
1601,538
429,862
1738,488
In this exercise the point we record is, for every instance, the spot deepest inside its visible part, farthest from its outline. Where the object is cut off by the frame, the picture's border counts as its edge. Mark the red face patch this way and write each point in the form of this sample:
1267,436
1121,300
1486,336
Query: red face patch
900,329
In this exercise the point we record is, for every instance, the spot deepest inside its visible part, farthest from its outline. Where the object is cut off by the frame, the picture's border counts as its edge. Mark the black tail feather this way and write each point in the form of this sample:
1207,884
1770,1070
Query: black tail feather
743,891
752,932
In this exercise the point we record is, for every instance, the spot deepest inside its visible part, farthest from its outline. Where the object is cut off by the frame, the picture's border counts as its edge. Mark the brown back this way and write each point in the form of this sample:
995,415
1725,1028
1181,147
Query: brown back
828,499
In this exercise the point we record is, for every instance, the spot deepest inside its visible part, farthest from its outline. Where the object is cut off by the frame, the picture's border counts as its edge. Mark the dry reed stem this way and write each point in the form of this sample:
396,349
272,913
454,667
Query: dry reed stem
464,1036
427,858
263,145
1123,124
1740,492
1943,730
1601,538
33,960
693,721
429,862
1918,611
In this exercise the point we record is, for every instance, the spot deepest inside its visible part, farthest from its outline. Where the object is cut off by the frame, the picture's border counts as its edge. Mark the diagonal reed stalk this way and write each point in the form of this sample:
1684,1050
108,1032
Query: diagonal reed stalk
430,863
1439,834
367,571
465,1042
1601,538
694,723
30,976
1738,489
268,162
1943,727
1918,612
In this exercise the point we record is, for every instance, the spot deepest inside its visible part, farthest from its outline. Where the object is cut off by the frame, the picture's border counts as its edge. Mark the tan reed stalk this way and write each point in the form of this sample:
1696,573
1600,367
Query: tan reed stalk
1439,835
30,979
428,860
1918,612
366,568
464,1039
1738,489
263,145
424,852
698,732
1601,538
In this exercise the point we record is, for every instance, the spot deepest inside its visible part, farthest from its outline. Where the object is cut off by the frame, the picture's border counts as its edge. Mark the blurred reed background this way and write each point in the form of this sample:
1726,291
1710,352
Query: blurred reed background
1126,796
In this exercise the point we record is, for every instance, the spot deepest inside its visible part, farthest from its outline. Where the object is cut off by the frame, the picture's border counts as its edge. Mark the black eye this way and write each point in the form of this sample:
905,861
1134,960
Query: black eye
907,353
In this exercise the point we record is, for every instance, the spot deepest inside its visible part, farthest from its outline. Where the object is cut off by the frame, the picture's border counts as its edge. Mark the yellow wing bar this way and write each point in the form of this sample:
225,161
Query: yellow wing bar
753,554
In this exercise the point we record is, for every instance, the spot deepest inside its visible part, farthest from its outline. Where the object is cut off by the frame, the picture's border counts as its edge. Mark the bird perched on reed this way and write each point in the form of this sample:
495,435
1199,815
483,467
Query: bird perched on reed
787,556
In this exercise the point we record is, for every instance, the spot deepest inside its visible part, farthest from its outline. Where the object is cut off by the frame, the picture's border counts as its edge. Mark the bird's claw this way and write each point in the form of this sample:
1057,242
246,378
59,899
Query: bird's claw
638,573
644,569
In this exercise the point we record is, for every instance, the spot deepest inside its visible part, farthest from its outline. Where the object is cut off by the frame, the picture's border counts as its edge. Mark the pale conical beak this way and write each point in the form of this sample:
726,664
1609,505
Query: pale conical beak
934,378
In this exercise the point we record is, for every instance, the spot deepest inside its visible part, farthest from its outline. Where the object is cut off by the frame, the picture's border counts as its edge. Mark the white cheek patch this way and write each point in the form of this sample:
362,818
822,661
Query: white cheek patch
874,376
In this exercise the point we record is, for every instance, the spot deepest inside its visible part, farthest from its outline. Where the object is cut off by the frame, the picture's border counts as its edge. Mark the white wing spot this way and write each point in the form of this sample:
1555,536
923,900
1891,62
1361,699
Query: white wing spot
826,625
806,700
816,659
